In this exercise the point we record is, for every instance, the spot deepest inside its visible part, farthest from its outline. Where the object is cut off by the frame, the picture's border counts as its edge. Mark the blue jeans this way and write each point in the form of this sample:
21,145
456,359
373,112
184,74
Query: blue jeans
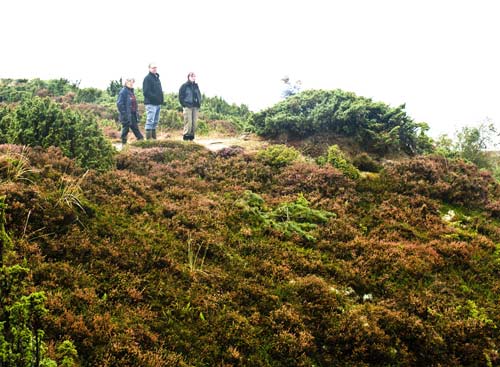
152,116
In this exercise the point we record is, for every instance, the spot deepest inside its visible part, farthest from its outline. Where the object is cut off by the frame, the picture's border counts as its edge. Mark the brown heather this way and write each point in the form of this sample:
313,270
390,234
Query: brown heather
158,266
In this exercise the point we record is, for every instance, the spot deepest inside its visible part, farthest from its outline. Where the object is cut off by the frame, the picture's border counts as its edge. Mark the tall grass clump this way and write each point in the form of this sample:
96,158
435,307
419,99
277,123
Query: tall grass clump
14,165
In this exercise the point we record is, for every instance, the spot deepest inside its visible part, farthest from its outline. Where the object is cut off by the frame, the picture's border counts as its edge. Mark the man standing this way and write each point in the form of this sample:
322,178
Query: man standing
190,99
153,99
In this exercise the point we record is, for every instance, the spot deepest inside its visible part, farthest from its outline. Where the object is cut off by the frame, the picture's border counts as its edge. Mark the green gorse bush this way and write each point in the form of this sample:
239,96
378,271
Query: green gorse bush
43,122
375,125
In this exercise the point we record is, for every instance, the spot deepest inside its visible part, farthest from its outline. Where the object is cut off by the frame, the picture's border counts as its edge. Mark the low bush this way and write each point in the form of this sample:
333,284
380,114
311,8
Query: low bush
278,155
364,162
294,218
42,122
337,159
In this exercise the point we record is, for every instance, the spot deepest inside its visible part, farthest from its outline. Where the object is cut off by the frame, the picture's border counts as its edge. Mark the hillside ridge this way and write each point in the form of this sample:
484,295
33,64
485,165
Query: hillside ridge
309,245
183,256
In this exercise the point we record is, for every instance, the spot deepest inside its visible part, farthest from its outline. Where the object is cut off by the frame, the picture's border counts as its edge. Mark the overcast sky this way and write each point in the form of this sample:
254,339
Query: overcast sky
439,57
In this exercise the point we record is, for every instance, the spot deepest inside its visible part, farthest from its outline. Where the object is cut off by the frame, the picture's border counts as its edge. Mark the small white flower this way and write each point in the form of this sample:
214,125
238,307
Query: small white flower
449,217
349,291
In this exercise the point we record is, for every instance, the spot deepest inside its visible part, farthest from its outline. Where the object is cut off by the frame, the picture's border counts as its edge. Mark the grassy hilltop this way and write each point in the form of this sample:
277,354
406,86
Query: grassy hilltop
175,255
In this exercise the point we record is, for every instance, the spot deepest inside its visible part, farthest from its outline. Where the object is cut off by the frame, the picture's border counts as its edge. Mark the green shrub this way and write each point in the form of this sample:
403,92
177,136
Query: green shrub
473,141
114,87
15,90
496,172
67,354
472,144
202,127
171,119
375,125
212,108
171,101
4,111
108,123
88,95
21,332
278,155
291,218
365,163
216,108
42,122
337,159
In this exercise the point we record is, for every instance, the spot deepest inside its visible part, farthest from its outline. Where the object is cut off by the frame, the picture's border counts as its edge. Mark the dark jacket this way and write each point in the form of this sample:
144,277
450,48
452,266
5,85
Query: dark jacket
124,104
189,95
151,88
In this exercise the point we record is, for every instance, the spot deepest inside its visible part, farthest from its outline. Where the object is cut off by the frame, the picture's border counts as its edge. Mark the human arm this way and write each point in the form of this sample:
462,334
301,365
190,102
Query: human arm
122,104
181,95
146,88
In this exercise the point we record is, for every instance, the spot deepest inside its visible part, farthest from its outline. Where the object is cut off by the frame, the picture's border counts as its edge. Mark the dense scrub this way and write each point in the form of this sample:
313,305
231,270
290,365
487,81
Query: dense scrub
215,115
375,126
184,257
45,123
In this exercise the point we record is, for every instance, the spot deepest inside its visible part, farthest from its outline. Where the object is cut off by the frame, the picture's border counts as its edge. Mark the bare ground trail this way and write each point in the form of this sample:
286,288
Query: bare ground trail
217,143
212,142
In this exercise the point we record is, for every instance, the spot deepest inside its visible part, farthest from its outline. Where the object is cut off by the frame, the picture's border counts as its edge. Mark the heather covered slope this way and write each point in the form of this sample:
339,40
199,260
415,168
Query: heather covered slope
186,257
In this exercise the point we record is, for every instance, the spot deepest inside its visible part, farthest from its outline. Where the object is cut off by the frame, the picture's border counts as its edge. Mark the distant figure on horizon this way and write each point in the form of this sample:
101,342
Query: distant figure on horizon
289,88
127,107
190,99
153,99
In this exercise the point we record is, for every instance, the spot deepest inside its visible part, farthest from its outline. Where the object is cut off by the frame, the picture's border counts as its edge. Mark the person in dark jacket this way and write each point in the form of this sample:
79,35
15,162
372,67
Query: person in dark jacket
190,99
153,99
127,107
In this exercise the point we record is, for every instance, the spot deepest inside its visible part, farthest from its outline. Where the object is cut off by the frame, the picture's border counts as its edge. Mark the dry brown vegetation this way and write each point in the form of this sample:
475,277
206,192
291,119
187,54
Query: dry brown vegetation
186,257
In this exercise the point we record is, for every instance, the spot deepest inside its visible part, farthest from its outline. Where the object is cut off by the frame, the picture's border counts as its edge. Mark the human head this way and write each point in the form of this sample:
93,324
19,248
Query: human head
191,76
153,67
129,82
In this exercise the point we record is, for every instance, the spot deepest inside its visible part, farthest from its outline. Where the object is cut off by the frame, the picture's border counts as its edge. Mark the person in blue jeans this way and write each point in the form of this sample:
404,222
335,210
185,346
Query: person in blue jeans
127,107
153,99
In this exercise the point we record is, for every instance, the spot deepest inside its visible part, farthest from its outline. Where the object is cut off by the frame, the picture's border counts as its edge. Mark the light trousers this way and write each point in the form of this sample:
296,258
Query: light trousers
190,118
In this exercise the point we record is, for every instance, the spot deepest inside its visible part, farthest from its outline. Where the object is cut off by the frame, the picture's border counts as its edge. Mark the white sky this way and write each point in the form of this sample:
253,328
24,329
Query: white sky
440,57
